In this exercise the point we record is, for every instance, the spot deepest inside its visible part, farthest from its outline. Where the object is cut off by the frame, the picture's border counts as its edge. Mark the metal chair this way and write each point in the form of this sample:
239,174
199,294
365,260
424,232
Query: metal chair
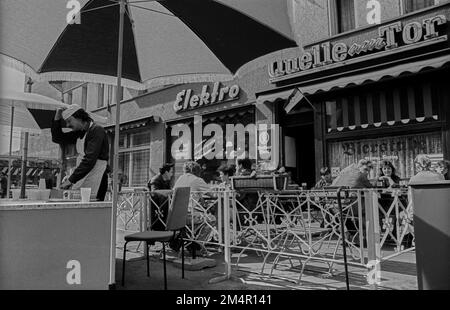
176,220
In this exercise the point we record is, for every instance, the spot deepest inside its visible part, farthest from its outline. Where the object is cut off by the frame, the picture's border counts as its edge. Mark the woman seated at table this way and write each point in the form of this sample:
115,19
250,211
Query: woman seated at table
443,168
388,178
245,168
225,173
196,214
325,178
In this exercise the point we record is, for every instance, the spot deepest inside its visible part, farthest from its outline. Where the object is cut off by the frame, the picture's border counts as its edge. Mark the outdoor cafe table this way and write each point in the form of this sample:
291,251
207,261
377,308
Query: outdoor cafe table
54,245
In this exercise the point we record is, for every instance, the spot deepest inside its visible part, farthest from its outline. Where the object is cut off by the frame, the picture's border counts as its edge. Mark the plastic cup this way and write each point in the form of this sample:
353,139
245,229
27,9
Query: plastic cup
45,194
85,194
42,184
33,194
15,193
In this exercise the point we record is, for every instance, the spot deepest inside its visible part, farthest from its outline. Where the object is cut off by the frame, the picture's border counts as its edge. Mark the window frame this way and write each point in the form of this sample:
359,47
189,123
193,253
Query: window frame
334,18
130,149
403,6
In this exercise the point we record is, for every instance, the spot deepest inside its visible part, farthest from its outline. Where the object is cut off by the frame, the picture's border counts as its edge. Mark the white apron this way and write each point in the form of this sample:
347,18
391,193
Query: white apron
94,177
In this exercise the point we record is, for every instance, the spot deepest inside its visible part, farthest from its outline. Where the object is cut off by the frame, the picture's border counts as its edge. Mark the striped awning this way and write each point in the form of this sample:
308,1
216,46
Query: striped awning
291,96
31,171
414,102
375,76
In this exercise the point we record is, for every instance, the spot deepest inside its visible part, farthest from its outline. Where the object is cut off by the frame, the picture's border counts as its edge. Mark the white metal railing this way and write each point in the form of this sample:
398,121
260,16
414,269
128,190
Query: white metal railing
302,226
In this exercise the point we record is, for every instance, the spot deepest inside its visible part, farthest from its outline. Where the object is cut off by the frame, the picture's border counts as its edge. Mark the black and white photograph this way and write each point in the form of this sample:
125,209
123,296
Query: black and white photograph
225,152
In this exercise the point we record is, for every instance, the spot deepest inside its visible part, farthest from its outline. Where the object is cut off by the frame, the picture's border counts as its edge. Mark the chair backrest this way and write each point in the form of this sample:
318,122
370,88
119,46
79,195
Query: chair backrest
178,210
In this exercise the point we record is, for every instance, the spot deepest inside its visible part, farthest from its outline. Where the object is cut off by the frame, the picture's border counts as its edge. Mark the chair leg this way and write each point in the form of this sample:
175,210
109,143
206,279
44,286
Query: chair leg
194,251
123,262
164,263
148,260
182,258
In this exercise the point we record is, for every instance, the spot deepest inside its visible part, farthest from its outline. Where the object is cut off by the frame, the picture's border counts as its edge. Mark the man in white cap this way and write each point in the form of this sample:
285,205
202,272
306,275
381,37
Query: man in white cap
92,146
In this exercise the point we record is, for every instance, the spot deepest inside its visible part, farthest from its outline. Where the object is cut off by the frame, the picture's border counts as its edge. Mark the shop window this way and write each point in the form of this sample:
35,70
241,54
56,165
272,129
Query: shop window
210,166
123,141
400,150
343,19
140,138
134,158
415,5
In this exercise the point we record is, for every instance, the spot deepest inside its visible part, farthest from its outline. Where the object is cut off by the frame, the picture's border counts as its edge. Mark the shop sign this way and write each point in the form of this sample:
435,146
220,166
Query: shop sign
187,99
391,38
399,150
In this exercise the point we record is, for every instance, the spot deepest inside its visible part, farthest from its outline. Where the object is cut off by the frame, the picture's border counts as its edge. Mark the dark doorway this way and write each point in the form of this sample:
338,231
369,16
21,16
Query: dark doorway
299,151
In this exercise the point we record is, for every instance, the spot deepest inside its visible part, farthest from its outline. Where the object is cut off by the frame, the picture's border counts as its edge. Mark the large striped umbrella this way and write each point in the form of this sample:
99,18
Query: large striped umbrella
165,42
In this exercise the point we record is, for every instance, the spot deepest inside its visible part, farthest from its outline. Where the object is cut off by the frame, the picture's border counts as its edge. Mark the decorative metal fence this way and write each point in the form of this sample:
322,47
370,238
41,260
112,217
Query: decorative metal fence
297,227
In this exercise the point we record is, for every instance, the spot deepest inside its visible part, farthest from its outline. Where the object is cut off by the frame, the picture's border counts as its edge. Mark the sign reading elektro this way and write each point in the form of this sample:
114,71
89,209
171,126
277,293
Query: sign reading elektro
392,38
187,100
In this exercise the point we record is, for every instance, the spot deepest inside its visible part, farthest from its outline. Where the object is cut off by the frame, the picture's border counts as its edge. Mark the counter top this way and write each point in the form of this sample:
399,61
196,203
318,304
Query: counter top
9,204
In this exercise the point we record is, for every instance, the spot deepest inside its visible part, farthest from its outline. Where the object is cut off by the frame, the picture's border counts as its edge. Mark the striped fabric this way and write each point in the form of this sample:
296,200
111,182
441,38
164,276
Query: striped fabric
412,103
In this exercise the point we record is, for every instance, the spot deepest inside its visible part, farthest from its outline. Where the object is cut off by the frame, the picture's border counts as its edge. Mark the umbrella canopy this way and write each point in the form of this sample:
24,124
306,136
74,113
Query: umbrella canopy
32,112
165,42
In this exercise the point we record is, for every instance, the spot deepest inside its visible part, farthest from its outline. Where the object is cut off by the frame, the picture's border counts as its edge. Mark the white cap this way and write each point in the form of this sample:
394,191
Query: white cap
71,109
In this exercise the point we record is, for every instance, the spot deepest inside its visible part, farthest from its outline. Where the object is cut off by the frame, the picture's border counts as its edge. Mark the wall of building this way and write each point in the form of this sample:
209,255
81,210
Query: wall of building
160,106
388,9
312,20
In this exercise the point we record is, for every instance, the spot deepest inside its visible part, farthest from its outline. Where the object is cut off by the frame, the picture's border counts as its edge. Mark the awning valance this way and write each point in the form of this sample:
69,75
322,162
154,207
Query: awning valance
375,76
280,95
134,124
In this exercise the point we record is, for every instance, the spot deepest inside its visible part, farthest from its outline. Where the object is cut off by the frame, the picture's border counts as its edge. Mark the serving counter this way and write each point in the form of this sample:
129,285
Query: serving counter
54,245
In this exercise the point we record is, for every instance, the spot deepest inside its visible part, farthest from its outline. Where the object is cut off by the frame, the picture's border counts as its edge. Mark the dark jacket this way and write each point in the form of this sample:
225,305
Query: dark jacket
96,146
158,183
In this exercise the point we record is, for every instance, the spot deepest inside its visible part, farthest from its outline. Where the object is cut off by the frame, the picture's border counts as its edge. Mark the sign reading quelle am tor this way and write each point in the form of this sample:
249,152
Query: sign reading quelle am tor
188,100
390,37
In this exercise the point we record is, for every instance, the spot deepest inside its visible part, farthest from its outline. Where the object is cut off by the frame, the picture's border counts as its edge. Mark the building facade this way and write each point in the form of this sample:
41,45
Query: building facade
363,83
179,123
367,91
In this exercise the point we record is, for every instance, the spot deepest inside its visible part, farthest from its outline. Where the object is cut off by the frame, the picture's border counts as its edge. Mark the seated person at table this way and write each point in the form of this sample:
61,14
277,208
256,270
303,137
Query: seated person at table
325,178
245,168
201,220
424,175
443,168
387,177
355,176
225,173
161,181
190,178
159,200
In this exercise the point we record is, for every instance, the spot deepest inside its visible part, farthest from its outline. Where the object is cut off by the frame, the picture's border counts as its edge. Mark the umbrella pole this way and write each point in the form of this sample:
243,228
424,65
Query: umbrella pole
8,189
23,177
112,265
